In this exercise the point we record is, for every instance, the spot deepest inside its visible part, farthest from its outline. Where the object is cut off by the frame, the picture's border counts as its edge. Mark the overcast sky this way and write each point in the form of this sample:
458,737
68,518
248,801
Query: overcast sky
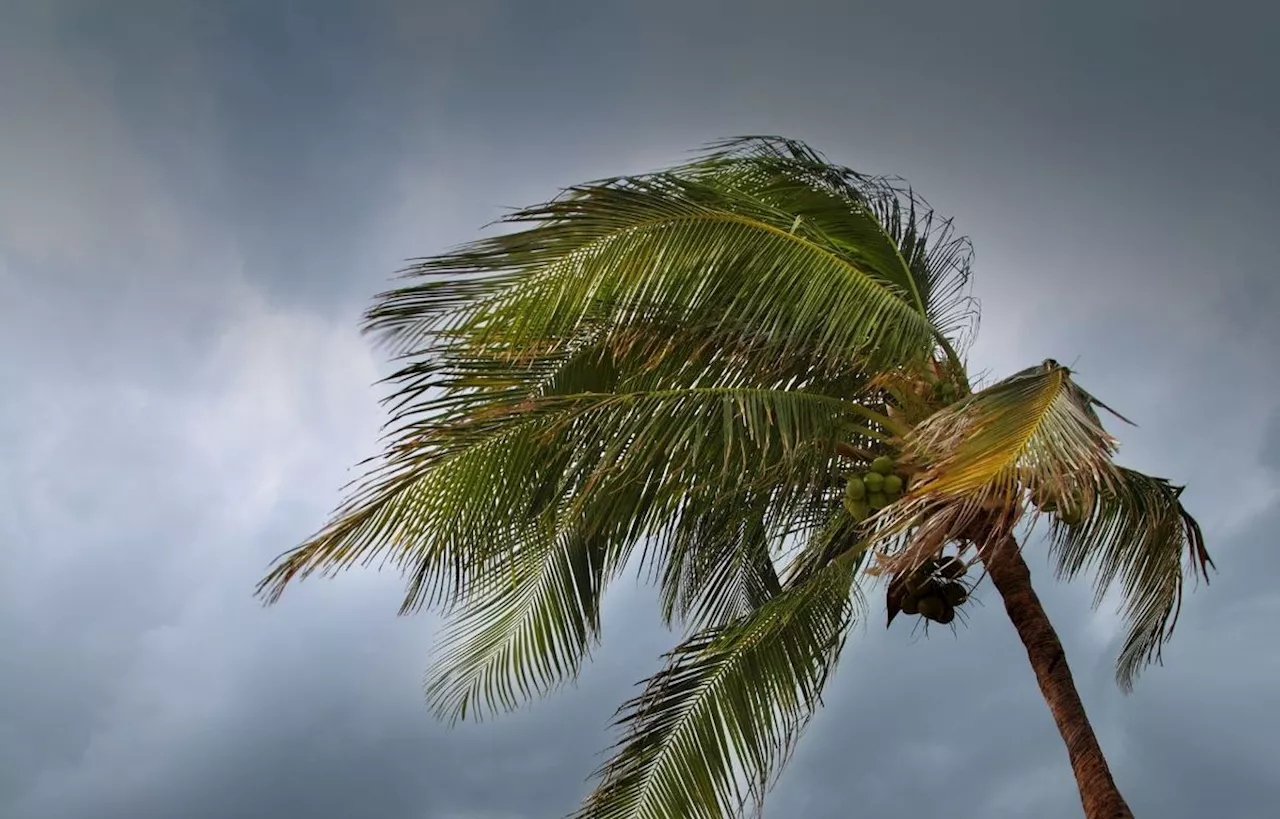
198,199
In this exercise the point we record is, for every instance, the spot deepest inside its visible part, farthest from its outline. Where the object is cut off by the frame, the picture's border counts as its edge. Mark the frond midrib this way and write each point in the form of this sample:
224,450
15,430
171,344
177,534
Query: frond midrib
552,269
621,397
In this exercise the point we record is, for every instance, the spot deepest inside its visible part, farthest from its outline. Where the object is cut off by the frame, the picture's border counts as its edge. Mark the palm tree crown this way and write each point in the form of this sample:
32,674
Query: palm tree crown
690,369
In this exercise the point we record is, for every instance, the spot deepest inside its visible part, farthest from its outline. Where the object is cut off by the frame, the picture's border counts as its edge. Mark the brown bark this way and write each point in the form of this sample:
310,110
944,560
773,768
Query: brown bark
1011,577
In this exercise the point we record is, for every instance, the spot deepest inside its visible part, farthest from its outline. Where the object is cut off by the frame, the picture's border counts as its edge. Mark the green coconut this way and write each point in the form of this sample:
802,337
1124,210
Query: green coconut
877,500
882,465
892,484
857,509
932,607
855,489
874,481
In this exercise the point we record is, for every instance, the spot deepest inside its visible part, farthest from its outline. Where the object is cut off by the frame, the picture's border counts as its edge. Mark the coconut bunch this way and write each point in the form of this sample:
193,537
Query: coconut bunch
934,590
872,490
1070,506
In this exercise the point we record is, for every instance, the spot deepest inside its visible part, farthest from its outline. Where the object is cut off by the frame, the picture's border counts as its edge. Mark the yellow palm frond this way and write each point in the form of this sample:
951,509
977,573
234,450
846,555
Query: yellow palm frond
1034,442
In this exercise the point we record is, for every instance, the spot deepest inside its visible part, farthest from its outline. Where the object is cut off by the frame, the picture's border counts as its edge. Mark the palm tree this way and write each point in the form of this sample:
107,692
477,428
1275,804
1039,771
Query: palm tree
710,370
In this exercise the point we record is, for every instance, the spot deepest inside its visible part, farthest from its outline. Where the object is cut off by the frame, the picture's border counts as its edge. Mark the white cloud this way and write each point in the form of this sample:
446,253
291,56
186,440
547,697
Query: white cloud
288,394
188,479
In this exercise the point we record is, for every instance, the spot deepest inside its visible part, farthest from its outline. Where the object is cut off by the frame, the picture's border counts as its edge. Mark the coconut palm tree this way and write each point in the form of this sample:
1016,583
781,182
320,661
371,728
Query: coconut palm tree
744,375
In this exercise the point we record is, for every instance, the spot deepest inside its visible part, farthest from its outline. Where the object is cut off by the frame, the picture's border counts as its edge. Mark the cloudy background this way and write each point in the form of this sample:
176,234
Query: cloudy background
198,199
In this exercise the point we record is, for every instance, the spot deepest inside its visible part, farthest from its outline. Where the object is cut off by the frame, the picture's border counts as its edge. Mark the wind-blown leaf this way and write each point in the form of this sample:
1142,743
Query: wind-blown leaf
878,221
725,709
605,470
1037,435
1138,533
719,566
1036,421
524,629
1035,428
445,498
691,245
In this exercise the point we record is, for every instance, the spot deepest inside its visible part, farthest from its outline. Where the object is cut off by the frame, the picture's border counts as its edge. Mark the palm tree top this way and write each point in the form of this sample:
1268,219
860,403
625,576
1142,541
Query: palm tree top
685,368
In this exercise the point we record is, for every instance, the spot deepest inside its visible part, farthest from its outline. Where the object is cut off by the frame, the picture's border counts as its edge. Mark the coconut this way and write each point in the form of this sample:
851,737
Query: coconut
857,509
932,607
882,465
1043,501
855,489
955,593
924,584
892,484
877,500
1071,515
952,567
947,615
874,481
910,604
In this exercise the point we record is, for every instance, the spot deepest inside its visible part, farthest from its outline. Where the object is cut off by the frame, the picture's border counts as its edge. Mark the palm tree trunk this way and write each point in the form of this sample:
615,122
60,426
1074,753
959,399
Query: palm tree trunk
1011,577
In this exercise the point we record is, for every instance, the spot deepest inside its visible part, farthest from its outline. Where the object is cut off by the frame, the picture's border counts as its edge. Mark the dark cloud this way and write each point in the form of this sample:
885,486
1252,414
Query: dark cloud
1194,721
1271,442
199,198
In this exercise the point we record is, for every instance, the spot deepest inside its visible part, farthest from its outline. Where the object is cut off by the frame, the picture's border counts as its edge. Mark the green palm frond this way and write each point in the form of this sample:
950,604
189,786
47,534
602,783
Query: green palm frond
719,566
524,627
472,472
716,242
463,505
1138,533
879,221
722,714
837,537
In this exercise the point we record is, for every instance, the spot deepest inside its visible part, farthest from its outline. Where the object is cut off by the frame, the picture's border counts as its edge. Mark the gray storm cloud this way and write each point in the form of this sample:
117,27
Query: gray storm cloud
198,199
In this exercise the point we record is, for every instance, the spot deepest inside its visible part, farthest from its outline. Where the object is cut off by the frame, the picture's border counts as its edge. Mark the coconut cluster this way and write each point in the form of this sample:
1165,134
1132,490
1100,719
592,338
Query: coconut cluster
942,391
1070,511
936,589
874,489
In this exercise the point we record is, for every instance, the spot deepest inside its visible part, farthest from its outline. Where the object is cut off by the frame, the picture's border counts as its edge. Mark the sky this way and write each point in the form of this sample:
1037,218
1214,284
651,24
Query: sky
197,200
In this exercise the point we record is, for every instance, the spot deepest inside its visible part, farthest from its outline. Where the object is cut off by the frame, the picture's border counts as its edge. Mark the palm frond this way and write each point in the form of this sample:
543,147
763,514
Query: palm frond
524,627
689,246
1034,429
1036,438
719,566
878,220
726,708
1037,421
1136,532
452,497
